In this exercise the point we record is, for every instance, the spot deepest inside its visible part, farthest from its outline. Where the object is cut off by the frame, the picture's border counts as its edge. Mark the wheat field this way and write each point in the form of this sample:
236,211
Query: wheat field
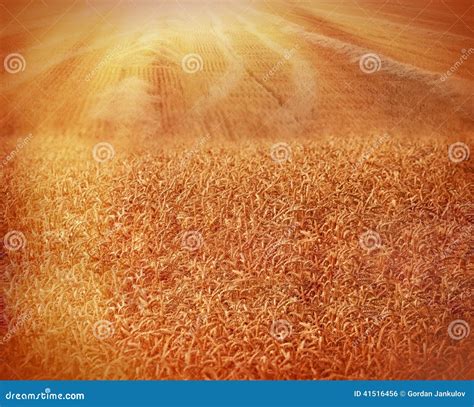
236,190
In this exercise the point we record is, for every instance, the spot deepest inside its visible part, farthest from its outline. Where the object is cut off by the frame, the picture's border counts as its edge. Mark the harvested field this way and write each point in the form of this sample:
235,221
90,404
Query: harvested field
237,190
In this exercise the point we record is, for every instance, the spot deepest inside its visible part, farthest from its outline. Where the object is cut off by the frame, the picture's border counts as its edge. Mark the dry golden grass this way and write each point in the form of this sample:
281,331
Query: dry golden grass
279,285
280,241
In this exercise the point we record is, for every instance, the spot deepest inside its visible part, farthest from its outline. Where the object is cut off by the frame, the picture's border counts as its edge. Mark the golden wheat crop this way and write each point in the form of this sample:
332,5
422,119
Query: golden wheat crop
279,242
261,208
